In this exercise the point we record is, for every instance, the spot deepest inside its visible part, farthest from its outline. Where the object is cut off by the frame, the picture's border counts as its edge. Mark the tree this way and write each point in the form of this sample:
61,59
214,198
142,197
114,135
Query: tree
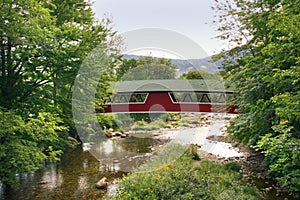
263,65
125,66
25,145
199,74
25,30
42,47
148,68
79,33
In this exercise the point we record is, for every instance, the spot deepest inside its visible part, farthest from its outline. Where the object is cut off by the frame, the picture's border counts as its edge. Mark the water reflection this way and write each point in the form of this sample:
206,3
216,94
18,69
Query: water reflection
51,178
74,177
122,154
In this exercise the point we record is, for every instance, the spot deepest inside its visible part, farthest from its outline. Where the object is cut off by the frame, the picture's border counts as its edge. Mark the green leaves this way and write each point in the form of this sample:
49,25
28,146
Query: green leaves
199,75
43,45
265,71
182,179
282,156
25,145
146,68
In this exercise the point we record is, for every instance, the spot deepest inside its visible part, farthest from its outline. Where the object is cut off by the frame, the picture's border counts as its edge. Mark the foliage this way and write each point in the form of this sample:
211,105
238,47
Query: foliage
234,166
154,125
126,66
199,74
140,116
182,179
282,157
173,116
263,66
161,120
194,152
43,45
146,68
107,120
42,48
25,145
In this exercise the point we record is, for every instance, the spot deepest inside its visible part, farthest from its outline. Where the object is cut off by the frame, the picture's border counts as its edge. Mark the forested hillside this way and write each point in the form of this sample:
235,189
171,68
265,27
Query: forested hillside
184,66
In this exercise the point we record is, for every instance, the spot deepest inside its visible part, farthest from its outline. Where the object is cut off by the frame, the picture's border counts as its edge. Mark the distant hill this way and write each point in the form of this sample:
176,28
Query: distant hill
184,66
130,56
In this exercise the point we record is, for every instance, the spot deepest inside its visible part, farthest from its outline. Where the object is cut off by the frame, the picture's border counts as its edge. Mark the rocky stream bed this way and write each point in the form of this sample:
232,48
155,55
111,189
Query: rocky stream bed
76,175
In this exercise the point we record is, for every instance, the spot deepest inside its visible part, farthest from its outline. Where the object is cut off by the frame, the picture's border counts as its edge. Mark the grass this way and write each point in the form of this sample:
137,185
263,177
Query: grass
182,178
173,120
154,125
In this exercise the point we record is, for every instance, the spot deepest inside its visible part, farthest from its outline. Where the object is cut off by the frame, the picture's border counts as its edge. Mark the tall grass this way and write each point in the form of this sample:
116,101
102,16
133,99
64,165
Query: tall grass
184,179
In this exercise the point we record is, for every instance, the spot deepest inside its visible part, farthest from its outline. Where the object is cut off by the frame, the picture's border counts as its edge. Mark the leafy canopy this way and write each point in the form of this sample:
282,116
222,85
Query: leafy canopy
263,65
42,47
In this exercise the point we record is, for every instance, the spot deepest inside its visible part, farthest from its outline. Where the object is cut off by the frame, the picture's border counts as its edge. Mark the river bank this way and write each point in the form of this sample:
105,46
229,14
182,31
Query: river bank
211,138
75,176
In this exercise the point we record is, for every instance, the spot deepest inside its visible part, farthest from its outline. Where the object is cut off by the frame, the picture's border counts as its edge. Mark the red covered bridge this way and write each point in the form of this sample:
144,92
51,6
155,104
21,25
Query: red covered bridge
169,96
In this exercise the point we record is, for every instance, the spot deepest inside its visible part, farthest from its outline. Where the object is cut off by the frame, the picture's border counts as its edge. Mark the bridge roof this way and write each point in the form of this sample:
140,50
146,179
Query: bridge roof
175,85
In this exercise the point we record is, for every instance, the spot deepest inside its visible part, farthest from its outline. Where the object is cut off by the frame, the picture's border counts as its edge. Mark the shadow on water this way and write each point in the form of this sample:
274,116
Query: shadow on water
74,177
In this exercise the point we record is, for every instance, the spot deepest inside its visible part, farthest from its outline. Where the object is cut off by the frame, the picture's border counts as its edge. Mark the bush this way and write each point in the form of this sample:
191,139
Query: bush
155,125
107,120
194,153
234,166
283,158
26,144
182,179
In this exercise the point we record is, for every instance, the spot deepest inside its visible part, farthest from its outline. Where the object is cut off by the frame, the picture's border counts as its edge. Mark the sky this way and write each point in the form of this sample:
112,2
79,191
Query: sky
191,18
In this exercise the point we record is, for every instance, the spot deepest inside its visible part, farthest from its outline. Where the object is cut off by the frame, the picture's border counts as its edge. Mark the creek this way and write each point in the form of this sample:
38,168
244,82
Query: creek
74,177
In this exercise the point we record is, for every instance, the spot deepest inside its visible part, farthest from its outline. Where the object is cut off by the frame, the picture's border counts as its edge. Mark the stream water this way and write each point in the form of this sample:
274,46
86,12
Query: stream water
74,177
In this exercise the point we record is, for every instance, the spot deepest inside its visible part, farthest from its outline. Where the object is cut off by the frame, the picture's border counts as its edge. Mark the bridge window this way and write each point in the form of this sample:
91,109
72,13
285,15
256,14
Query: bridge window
218,97
185,97
120,98
205,98
138,97
129,98
196,97
192,97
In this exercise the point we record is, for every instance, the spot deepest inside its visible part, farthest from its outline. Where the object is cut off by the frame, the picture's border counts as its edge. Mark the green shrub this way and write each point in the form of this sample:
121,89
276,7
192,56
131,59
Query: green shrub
107,120
282,157
234,166
181,179
173,116
194,153
155,125
27,144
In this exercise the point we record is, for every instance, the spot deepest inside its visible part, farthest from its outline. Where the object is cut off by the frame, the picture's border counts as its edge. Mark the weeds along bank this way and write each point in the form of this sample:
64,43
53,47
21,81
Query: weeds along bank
185,178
